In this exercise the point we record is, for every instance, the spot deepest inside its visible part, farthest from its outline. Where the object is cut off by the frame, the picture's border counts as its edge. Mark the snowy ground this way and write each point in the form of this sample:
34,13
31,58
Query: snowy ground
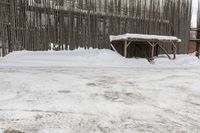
81,92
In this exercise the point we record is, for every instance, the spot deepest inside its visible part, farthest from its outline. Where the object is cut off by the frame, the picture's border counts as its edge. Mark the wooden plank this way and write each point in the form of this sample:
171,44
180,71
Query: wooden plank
125,48
165,51
152,51
174,50
113,47
152,44
129,43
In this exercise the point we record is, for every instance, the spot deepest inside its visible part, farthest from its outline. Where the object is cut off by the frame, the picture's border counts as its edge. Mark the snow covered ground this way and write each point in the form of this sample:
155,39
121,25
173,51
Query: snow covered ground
86,91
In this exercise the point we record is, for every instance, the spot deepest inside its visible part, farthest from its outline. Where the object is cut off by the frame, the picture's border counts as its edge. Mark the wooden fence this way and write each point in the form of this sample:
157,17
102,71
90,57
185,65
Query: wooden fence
198,21
35,24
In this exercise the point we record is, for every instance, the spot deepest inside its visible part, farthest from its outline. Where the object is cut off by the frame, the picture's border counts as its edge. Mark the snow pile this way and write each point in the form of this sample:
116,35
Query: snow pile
143,36
75,58
180,61
90,58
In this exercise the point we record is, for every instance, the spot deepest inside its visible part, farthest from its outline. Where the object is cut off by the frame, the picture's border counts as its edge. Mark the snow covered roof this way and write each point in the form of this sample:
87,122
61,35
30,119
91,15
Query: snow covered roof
129,36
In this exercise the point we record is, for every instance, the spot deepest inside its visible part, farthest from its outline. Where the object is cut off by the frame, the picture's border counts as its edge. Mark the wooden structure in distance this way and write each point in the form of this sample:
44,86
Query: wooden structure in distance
156,42
197,41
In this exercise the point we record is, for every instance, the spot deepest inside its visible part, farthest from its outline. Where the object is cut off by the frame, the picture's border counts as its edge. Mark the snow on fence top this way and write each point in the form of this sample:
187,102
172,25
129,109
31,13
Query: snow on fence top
129,36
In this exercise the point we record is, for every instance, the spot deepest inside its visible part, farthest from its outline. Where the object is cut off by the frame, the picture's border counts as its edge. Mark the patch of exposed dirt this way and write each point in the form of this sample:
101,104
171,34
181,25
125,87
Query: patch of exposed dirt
13,131
64,91
125,97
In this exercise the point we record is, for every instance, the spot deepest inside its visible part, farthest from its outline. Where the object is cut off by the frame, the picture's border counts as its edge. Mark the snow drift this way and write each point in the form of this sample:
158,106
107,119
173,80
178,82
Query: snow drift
90,58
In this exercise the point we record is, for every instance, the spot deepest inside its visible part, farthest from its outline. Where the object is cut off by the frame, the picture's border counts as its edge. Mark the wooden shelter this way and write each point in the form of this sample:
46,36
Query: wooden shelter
194,44
152,45
198,48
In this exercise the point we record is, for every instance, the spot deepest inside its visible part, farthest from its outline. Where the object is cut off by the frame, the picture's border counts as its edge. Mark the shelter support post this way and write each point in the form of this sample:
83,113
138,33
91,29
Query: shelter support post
126,45
125,49
152,52
153,44
174,48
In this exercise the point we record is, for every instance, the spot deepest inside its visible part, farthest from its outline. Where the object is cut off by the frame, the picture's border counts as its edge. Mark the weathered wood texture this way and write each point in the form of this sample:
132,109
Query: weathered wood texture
198,32
34,24
145,48
198,21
